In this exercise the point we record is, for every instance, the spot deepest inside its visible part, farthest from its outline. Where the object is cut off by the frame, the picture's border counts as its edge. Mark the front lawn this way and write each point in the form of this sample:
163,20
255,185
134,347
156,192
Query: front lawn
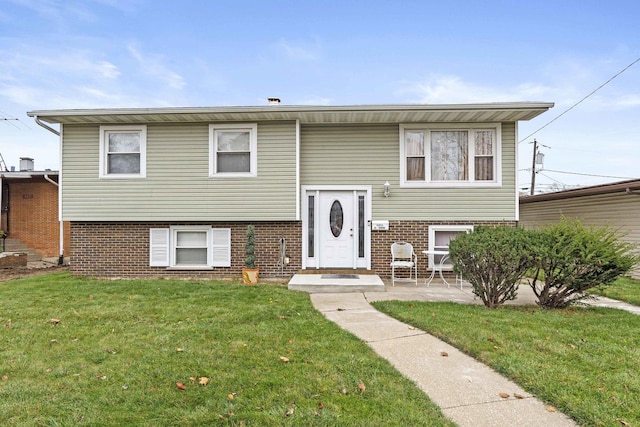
623,289
582,361
75,351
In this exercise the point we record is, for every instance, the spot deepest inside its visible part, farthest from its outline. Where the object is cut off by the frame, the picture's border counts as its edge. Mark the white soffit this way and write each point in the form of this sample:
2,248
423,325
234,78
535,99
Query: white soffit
494,112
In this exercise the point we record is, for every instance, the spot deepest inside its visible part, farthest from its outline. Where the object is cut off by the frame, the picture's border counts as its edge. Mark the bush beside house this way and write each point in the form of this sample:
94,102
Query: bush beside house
563,260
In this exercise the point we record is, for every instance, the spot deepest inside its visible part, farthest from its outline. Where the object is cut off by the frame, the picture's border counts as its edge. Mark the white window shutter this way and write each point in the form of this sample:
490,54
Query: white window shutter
221,247
159,247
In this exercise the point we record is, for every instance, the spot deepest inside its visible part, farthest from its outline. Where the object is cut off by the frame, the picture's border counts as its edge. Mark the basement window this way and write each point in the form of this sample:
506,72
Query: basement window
187,247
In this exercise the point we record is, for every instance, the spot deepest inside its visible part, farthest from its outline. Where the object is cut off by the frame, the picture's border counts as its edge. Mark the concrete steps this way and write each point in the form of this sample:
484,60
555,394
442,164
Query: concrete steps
12,244
336,281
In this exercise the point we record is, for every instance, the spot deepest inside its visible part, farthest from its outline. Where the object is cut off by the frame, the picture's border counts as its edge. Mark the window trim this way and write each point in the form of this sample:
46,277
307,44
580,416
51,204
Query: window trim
106,130
433,229
162,247
173,245
213,144
469,127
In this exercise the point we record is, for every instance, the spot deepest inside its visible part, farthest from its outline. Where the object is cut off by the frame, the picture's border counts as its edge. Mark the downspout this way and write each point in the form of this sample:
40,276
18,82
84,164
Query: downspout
46,126
57,184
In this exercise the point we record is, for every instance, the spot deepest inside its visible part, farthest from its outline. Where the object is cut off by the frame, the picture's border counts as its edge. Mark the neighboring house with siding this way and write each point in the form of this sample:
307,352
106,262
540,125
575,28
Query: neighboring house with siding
615,205
170,191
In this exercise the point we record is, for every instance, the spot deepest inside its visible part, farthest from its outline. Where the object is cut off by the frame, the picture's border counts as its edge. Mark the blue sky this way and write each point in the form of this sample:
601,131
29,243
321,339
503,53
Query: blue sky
57,54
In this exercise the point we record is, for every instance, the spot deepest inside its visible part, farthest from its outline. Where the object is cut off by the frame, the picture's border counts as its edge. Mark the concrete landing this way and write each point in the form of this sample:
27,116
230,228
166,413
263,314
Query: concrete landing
336,283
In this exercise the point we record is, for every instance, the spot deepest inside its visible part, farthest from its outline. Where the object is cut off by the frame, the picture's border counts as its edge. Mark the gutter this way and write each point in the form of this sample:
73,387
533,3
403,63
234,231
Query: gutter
46,126
46,177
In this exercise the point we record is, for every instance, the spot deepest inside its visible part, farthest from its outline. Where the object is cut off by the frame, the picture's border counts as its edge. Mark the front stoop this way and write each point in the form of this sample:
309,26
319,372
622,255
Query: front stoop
336,281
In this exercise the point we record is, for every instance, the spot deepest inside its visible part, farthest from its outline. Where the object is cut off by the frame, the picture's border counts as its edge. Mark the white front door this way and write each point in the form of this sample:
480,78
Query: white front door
336,227
336,233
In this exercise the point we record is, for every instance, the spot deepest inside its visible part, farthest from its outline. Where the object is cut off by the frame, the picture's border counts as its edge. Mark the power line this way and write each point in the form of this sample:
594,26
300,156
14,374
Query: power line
579,102
589,174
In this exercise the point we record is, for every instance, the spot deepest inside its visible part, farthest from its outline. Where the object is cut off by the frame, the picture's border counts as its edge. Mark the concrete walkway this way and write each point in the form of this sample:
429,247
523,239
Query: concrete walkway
467,391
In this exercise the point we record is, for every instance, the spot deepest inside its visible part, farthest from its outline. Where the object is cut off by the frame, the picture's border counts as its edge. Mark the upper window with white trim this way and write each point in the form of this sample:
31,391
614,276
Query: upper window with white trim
233,150
450,155
123,151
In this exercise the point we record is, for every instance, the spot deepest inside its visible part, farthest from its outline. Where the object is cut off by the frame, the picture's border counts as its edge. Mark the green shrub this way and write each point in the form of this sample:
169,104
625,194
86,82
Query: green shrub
249,248
571,258
493,260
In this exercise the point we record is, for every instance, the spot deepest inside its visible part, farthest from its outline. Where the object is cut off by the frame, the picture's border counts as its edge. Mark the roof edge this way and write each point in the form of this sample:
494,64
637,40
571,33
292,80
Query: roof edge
615,187
295,108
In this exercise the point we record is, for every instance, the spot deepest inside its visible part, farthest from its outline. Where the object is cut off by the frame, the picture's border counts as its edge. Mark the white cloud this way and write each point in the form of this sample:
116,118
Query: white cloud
454,90
314,100
153,65
298,52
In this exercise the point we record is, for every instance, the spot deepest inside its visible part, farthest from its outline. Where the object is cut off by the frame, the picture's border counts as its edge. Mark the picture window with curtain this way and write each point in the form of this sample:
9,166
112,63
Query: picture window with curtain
447,156
233,150
123,151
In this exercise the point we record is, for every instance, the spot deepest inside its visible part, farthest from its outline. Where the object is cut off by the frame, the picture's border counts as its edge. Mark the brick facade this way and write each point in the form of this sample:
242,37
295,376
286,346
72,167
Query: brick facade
414,232
108,249
30,213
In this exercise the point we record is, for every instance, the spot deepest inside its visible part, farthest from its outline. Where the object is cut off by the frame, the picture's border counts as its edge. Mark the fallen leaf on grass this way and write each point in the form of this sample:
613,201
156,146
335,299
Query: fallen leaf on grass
108,350
518,396
504,395
320,405
179,350
551,409
284,359
444,354
361,386
231,396
54,322
5,378
621,421
203,381
181,386
101,377
571,345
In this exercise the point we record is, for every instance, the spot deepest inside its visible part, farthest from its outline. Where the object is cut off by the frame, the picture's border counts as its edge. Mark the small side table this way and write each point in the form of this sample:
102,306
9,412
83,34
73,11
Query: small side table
437,266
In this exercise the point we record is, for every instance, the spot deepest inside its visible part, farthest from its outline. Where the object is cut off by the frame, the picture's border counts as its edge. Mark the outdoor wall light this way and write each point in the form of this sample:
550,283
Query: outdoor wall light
387,189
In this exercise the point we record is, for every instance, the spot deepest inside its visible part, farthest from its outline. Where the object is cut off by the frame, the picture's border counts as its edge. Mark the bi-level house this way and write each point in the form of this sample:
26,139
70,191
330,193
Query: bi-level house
170,191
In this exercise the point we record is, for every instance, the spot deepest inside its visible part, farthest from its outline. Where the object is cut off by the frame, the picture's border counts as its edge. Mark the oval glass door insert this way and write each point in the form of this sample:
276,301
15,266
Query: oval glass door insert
336,218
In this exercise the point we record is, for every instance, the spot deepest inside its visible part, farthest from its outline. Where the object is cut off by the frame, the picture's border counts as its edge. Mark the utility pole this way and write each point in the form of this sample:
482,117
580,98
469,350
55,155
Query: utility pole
533,167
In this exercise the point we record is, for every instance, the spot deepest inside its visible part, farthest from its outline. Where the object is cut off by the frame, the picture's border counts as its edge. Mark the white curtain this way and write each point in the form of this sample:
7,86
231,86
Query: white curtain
414,153
449,155
483,155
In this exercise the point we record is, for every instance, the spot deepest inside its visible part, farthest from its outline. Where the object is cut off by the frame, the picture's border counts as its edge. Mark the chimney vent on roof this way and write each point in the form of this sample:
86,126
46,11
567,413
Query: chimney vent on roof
26,164
274,101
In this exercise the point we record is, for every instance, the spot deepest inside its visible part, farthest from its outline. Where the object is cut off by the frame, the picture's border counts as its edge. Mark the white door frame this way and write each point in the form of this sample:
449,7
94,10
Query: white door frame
315,190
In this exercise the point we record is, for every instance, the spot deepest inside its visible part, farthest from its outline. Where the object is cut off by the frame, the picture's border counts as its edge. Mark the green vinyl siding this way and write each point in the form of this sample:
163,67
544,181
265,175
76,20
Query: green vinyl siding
370,155
177,186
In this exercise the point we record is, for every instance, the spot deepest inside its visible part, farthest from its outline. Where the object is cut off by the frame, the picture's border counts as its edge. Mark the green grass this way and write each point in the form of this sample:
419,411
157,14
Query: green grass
623,289
583,361
121,346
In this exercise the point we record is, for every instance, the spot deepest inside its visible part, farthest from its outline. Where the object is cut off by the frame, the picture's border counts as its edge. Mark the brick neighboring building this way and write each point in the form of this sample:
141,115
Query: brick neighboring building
30,212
